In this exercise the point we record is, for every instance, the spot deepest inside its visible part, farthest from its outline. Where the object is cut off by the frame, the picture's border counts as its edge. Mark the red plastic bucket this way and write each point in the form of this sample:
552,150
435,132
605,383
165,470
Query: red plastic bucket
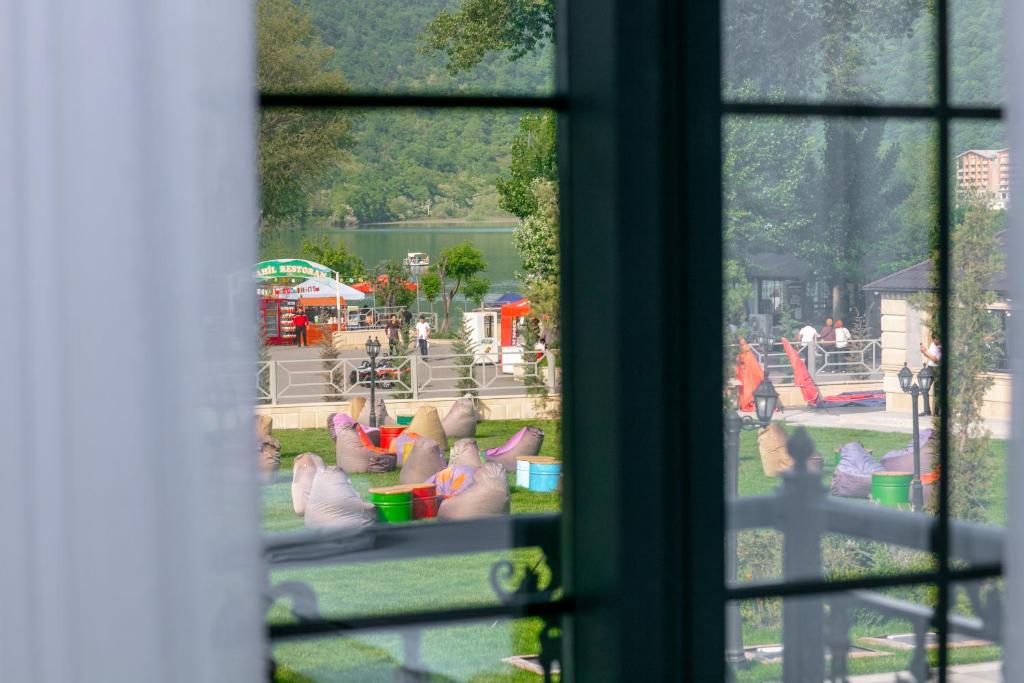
424,501
389,434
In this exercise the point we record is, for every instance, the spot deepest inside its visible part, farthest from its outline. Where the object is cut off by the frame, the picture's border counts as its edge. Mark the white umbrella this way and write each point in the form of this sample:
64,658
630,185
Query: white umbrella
315,287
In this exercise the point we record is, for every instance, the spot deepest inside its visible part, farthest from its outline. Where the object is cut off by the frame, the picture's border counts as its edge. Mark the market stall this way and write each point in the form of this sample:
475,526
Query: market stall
285,284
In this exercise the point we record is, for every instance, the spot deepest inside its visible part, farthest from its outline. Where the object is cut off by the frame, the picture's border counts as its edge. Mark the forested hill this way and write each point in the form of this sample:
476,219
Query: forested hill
413,165
376,46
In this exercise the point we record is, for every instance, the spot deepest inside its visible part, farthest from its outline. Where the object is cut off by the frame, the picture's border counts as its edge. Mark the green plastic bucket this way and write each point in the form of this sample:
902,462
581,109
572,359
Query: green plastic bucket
404,420
394,503
891,488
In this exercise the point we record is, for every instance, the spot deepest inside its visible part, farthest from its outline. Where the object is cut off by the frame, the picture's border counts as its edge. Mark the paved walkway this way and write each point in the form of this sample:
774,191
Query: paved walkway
985,672
874,419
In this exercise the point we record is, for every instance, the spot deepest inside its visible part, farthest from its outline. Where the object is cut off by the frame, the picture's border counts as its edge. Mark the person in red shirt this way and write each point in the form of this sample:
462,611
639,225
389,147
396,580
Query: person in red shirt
300,321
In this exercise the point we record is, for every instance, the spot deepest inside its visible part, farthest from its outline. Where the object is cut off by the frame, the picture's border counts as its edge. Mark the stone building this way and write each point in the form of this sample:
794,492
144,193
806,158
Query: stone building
905,328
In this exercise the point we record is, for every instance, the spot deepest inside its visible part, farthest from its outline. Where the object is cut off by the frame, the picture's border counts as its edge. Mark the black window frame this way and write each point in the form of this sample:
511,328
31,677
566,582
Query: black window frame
943,113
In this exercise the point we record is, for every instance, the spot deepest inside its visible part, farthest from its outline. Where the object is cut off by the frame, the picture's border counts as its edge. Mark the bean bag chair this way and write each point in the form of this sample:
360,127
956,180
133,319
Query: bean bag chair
401,444
460,422
902,460
336,419
527,441
771,443
452,480
270,457
354,452
465,452
335,504
426,423
382,414
355,406
303,470
487,496
264,425
422,461
852,476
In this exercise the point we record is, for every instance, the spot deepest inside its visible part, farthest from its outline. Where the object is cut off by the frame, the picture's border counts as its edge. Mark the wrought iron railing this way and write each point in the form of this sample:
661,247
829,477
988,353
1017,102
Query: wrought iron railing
861,359
802,511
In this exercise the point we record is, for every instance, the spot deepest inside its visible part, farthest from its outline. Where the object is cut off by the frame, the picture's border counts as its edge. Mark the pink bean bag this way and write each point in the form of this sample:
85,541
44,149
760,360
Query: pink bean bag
527,441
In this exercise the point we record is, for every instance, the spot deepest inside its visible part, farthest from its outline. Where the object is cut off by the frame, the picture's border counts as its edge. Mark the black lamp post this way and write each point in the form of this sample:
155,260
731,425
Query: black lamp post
925,379
766,399
923,384
372,349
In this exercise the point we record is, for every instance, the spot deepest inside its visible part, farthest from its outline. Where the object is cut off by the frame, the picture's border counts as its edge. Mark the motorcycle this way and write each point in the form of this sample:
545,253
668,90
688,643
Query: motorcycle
386,374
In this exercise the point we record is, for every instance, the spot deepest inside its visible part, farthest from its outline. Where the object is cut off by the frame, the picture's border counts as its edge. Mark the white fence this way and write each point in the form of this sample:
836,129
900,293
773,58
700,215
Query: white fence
861,359
413,376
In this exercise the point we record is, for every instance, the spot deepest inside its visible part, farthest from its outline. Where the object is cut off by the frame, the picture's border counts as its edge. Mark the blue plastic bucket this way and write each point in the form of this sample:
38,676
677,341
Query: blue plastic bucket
523,473
544,476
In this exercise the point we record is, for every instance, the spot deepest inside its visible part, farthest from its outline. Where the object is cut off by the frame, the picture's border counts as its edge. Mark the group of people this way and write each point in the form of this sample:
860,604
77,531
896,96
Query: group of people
832,336
392,330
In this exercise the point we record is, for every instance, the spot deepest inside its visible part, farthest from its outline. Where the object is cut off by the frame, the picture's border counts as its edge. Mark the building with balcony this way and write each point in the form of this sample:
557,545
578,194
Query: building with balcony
984,173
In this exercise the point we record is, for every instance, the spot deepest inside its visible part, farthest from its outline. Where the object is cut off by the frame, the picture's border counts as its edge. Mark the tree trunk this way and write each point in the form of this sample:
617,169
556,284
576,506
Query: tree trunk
837,299
447,305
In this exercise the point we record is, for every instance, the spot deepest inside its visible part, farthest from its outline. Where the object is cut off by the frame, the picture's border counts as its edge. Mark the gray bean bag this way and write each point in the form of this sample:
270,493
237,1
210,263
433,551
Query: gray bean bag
487,496
334,503
382,414
460,422
354,452
465,452
303,471
527,441
336,419
270,457
852,476
902,460
423,461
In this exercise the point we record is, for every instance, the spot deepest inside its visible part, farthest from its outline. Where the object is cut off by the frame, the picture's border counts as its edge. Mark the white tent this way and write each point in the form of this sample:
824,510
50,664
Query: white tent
313,288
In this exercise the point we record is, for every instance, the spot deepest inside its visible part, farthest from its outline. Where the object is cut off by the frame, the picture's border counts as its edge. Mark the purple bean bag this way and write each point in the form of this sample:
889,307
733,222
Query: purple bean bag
335,420
403,443
902,460
527,441
452,480
852,476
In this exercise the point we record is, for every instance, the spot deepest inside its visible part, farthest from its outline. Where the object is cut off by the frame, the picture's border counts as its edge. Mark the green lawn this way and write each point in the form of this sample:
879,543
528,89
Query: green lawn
464,652
473,652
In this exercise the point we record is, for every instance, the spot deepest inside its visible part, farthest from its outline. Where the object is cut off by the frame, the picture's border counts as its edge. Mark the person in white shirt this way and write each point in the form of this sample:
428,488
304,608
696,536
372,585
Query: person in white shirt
807,336
932,356
843,337
422,335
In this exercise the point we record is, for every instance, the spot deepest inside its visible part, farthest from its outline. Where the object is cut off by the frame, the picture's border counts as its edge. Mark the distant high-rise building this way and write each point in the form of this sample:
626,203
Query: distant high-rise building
984,173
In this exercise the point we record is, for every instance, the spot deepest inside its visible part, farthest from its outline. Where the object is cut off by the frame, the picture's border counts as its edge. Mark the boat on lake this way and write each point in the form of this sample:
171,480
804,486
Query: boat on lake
417,261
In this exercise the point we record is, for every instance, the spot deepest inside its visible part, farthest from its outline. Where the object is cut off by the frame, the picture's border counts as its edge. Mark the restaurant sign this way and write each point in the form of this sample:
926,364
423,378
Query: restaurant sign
277,269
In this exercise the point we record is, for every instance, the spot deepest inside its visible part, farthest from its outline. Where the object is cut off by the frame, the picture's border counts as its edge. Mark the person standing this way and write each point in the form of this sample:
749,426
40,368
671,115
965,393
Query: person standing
423,335
392,330
843,337
827,337
932,357
406,316
807,336
300,321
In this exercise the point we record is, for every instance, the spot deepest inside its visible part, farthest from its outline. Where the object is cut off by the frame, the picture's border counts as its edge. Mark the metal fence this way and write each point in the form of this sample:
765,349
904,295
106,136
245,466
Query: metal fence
376,317
860,360
813,624
411,377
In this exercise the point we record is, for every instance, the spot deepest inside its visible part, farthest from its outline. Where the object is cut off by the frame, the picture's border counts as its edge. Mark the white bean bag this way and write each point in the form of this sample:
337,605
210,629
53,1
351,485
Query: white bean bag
304,469
334,503
460,422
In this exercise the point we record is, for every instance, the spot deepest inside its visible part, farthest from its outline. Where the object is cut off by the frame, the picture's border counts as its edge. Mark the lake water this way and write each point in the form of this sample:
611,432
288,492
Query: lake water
375,243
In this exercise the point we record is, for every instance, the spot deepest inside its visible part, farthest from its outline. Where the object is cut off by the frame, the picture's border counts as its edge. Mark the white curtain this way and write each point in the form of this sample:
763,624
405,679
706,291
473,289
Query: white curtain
1014,604
128,505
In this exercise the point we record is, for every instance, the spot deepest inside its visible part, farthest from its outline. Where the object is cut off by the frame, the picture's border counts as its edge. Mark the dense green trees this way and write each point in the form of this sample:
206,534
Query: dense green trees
336,257
298,149
453,268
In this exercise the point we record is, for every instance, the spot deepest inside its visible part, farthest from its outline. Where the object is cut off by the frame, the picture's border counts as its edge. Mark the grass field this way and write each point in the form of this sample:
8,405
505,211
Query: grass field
473,652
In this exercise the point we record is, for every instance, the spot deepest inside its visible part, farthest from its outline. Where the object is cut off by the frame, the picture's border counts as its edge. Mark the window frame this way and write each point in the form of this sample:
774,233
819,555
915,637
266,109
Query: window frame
943,113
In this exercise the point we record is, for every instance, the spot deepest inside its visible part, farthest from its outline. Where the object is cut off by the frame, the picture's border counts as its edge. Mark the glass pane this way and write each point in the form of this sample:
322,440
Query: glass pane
975,644
816,51
867,634
976,53
820,216
421,348
415,46
980,309
495,650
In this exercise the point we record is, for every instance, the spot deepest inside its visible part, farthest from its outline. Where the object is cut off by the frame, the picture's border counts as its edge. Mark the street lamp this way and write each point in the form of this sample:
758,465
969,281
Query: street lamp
766,399
372,349
925,379
908,386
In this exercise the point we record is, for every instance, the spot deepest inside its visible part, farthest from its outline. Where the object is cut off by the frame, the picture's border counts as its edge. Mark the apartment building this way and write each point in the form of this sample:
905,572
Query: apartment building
984,173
